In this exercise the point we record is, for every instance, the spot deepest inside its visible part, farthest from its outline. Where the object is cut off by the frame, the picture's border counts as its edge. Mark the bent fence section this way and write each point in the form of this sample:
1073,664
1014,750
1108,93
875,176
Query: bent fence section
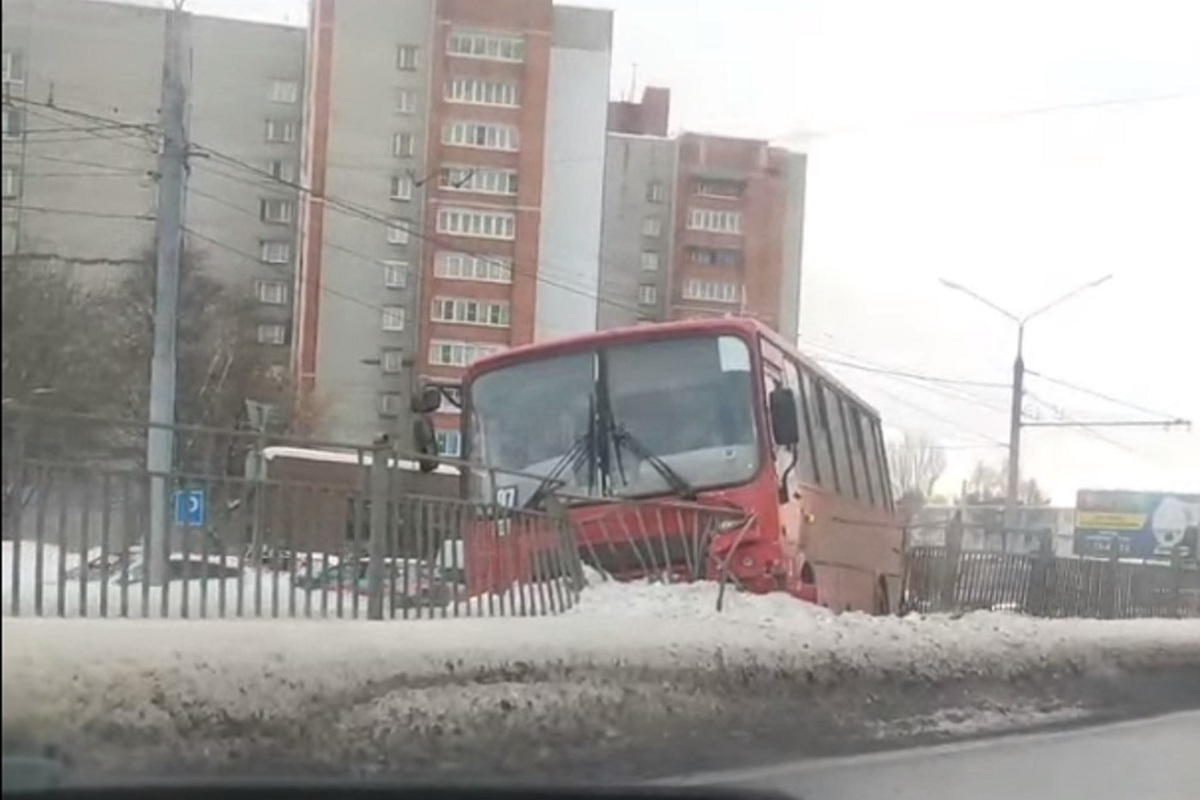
324,530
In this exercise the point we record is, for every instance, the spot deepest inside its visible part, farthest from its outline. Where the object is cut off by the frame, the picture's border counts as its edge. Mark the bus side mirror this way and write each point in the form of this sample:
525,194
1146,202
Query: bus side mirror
785,424
424,403
427,400
425,442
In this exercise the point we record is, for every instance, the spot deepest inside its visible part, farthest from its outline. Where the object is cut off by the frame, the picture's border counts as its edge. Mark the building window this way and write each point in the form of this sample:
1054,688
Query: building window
708,219
391,361
276,211
480,180
282,91
481,135
729,190
395,274
393,318
275,252
718,257
281,130
12,183
490,46
407,57
398,231
273,293
402,187
12,124
404,145
466,311
479,224
284,171
12,67
406,101
449,443
476,91
648,294
656,192
444,353
390,404
652,226
712,291
272,333
650,261
462,267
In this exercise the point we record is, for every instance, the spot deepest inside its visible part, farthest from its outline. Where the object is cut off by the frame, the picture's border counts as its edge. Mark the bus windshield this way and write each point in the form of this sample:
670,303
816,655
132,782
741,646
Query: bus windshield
628,420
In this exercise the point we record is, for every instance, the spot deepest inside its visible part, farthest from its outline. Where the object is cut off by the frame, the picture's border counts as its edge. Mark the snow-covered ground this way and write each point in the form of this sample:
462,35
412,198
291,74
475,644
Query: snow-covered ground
629,660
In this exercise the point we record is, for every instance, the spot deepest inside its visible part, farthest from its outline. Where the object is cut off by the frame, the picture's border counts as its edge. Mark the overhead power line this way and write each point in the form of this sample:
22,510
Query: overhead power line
914,375
1101,395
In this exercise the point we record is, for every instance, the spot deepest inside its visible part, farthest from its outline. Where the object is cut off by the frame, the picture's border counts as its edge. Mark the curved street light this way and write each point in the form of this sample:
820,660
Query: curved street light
1018,382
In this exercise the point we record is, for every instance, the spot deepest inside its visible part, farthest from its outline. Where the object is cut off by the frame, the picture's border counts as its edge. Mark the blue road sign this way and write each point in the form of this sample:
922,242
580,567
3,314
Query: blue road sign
190,508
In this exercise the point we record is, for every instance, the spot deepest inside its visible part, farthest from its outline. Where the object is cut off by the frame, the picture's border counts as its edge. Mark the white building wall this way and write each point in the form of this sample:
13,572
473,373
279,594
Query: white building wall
573,180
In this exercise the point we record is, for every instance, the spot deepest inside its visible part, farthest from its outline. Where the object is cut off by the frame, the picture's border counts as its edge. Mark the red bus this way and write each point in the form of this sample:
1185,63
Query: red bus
720,414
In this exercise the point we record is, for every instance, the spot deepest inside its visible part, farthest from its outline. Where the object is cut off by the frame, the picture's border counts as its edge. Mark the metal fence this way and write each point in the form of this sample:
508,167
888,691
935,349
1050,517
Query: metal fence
361,535
946,579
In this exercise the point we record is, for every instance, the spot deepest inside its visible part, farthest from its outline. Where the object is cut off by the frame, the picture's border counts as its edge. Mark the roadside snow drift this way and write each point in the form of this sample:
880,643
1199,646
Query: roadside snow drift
637,681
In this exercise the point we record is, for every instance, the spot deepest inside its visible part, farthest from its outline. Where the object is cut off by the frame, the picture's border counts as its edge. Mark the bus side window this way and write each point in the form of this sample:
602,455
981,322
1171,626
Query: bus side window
885,478
837,441
867,454
858,481
821,445
806,463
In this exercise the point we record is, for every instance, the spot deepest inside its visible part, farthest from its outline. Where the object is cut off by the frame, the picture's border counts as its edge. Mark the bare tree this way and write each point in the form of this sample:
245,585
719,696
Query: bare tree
916,463
220,363
52,361
988,486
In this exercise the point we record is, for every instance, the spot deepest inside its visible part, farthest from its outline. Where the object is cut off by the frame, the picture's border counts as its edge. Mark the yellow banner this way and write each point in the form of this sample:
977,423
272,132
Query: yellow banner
1109,521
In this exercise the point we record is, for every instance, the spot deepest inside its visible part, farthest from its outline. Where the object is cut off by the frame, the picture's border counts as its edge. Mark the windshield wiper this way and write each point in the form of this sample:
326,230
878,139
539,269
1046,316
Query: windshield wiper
622,436
584,447
580,449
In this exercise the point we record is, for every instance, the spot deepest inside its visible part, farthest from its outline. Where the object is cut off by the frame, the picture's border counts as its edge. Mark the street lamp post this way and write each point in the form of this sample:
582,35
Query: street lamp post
1018,385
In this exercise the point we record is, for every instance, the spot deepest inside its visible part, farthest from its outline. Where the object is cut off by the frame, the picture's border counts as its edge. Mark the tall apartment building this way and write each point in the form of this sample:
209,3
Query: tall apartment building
455,150
696,225
82,83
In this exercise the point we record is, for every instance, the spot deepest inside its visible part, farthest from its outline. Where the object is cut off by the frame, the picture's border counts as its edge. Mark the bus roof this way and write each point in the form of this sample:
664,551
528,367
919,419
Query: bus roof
664,330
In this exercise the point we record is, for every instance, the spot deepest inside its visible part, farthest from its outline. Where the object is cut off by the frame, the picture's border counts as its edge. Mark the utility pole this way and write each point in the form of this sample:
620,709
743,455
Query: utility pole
1012,494
1016,415
172,190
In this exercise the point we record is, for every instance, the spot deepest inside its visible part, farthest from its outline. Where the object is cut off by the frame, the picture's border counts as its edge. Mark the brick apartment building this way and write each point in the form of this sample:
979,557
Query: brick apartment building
697,225
455,149
471,186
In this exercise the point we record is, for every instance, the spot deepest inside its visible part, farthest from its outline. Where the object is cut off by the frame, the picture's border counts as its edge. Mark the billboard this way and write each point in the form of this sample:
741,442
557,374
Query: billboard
1139,524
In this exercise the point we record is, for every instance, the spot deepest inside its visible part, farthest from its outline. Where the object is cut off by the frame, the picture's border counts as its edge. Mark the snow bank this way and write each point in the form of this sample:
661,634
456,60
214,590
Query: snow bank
637,680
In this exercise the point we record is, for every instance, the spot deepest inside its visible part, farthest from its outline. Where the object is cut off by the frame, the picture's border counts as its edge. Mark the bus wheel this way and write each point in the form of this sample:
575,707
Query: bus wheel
883,607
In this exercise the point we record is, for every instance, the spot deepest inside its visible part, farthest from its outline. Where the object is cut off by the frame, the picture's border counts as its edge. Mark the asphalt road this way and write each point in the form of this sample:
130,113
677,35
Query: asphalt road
1153,759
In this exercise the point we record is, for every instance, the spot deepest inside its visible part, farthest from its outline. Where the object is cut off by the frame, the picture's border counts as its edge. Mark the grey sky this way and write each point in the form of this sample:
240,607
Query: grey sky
919,171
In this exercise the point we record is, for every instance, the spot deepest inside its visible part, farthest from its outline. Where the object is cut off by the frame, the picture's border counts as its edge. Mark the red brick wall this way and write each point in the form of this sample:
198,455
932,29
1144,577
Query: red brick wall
533,19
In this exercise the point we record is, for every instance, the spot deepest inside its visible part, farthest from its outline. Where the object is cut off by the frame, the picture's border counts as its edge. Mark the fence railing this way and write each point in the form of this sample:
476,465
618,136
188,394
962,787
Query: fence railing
945,579
365,535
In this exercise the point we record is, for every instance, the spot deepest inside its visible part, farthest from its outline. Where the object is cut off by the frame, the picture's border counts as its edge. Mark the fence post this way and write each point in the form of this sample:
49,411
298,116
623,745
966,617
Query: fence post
1041,578
14,501
1110,604
378,493
1177,580
948,574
